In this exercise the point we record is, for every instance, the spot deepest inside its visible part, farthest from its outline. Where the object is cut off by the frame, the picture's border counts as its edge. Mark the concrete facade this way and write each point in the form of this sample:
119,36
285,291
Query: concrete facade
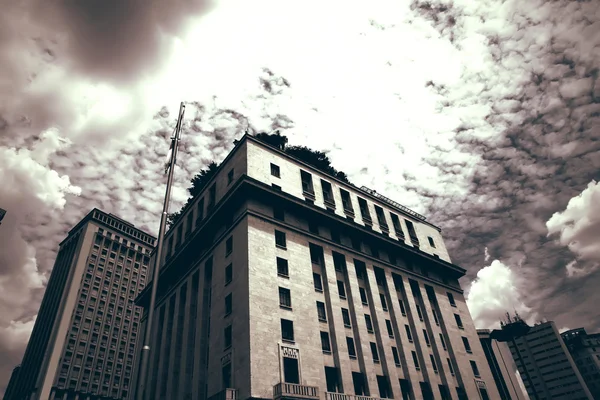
395,271
83,341
585,350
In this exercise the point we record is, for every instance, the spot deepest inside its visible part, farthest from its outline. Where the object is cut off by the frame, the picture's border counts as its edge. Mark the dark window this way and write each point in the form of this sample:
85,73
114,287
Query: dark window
415,360
381,218
360,385
327,193
451,299
419,313
426,391
339,261
406,389
212,194
388,325
332,379
408,333
445,392
435,317
443,341
412,233
287,330
374,352
363,295
229,246
313,227
433,364
325,343
226,374
321,311
278,214
282,267
426,336
188,225
317,282
228,274
346,318
291,372
276,187
275,170
361,269
346,201
397,226
402,309
450,368
227,336
466,344
335,236
396,356
228,304
280,240
285,298
369,323
355,243
341,289
383,301
385,391
351,348
474,368
364,211
230,177
458,321
484,394
307,183
431,243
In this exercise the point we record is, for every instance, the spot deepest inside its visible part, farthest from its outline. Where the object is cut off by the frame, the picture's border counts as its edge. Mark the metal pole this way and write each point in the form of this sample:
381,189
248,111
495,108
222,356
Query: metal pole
145,356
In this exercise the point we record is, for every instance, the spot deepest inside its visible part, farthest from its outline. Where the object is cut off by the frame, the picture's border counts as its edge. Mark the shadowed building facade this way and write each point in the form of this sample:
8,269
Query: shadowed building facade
281,281
83,342
585,350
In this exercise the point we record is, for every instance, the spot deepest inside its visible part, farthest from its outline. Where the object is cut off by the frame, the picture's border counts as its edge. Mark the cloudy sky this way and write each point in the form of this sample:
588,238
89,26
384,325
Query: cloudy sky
482,115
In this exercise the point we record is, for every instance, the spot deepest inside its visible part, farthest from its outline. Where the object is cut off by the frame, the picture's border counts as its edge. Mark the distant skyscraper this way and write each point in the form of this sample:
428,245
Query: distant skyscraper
585,350
83,341
502,365
543,360
10,389
282,281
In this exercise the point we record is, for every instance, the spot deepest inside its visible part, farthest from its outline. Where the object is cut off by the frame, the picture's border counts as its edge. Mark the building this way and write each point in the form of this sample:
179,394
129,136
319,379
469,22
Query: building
585,350
502,366
546,367
82,343
10,389
281,281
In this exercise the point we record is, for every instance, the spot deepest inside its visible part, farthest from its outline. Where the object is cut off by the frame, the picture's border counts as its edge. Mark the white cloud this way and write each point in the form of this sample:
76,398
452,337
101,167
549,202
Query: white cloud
493,293
578,228
563,329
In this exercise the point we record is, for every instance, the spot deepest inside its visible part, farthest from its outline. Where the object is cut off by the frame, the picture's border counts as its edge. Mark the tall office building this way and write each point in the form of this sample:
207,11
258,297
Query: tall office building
543,360
502,366
83,342
585,350
10,389
282,281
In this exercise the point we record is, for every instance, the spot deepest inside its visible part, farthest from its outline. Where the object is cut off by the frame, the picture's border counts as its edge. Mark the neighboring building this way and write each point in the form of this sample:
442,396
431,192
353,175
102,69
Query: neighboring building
585,350
10,389
502,366
83,342
281,281
546,367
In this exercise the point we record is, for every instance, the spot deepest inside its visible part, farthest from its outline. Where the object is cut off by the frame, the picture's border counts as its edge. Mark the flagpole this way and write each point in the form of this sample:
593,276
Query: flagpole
145,356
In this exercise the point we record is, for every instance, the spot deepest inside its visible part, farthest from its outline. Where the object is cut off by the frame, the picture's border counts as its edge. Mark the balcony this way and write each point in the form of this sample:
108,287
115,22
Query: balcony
227,394
294,390
342,396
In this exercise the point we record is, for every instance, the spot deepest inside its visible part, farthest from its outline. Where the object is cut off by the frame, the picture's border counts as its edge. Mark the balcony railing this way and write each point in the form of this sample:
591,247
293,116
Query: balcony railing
227,394
342,396
294,390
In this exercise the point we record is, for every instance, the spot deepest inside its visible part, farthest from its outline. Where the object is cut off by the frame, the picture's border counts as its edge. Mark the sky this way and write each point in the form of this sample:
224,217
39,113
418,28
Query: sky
482,115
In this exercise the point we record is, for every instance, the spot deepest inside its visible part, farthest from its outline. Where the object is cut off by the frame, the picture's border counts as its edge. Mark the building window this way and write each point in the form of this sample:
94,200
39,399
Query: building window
227,336
351,348
335,236
355,243
307,183
451,299
435,317
341,289
408,333
364,211
390,330
402,309
282,267
226,374
212,196
426,336
412,233
200,212
285,298
317,282
228,274
327,193
443,342
346,318
359,382
383,301
458,321
229,246
397,226
276,187
415,360
291,370
450,368
431,242
419,313
385,392
381,218
325,343
346,201
433,364
374,352
275,170
278,214
287,330
321,311
369,323
228,304
280,240
230,177
363,296
474,368
466,344
396,356
189,223
313,227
